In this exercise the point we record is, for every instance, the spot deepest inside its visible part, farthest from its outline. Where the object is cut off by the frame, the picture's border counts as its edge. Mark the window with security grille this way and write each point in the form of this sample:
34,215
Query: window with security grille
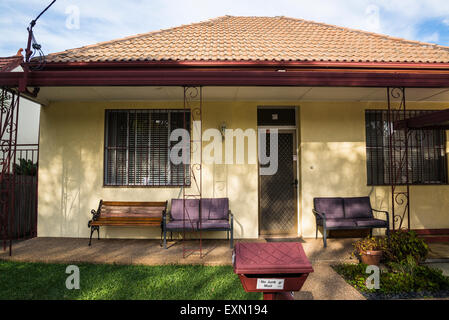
427,163
137,148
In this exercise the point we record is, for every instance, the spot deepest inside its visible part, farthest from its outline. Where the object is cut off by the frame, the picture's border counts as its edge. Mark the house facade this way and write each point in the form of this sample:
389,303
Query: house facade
109,111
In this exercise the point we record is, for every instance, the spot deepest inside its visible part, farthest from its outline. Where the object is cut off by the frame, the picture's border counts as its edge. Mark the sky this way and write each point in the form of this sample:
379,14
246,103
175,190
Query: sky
74,23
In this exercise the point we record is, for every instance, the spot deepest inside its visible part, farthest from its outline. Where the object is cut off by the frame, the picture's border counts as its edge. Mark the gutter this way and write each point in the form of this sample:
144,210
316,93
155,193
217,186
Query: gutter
113,65
227,77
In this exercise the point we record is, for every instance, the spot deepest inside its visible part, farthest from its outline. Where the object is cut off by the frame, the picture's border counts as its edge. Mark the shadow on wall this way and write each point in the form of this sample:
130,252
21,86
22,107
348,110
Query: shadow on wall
68,170
339,169
333,169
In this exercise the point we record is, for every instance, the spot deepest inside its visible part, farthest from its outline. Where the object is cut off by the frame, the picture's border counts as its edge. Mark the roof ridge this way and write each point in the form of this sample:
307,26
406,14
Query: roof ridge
102,43
380,35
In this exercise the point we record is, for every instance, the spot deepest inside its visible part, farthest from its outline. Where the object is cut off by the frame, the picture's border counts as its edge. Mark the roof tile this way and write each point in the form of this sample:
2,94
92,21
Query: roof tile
258,39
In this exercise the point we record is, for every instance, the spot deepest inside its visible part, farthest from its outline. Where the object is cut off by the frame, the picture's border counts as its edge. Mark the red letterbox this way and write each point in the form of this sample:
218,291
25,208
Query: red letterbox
274,268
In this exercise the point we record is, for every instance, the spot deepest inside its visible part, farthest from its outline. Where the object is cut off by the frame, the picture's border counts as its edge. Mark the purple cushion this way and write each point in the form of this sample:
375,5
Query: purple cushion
215,224
179,225
192,209
341,223
214,209
373,223
358,208
331,207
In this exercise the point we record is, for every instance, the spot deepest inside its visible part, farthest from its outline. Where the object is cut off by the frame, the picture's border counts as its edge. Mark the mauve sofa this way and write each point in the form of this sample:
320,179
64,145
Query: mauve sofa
215,216
346,214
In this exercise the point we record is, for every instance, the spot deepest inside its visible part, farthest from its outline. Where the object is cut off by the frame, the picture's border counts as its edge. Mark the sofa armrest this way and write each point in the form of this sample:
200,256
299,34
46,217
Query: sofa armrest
387,215
319,215
164,217
231,216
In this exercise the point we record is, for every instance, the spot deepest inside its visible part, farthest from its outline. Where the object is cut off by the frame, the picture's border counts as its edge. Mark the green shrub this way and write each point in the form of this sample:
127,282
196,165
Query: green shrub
406,243
397,279
25,168
409,265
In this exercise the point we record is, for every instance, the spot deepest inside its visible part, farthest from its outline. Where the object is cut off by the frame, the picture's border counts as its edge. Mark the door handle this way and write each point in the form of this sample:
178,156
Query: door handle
295,183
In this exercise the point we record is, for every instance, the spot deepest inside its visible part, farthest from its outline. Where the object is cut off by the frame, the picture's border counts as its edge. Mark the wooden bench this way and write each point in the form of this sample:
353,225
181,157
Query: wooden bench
126,214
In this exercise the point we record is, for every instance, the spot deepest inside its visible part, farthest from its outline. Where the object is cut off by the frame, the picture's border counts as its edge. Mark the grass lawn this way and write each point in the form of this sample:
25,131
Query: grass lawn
121,282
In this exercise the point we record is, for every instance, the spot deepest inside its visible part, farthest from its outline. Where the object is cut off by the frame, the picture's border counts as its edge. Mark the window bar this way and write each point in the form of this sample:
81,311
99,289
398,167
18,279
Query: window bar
158,137
147,153
435,162
150,121
125,167
406,135
390,146
116,150
168,162
106,151
136,167
160,132
429,159
153,145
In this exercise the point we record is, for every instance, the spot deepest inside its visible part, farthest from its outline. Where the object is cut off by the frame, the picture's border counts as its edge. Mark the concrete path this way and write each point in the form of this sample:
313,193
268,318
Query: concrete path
438,251
323,284
443,266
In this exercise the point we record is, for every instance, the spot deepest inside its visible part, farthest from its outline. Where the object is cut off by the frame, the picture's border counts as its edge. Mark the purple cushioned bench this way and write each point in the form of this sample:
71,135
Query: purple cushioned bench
346,214
215,216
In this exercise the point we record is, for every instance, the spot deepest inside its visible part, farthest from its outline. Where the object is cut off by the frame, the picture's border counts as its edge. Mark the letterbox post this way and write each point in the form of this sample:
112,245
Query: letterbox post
275,268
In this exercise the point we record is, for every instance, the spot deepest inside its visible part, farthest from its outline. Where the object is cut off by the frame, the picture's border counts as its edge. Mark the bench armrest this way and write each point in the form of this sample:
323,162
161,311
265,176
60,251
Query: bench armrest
387,215
231,215
96,214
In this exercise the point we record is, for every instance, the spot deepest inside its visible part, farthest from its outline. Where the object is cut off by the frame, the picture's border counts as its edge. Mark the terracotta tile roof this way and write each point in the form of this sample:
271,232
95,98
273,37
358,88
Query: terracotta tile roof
9,63
232,38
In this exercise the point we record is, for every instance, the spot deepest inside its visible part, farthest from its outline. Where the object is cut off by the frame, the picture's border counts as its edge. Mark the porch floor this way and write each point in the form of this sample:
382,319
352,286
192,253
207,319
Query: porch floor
149,252
323,284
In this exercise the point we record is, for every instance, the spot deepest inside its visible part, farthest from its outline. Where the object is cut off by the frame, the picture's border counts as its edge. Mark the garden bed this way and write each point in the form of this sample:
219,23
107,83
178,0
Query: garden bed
28,281
421,282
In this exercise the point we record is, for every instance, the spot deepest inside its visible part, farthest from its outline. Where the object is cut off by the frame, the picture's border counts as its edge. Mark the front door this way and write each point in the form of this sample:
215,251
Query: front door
278,192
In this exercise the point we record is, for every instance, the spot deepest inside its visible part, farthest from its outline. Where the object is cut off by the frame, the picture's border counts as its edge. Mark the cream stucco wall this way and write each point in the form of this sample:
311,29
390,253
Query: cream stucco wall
71,170
331,145
333,163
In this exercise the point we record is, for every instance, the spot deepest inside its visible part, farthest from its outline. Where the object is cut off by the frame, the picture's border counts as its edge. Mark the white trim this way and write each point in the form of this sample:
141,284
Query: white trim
298,173
278,127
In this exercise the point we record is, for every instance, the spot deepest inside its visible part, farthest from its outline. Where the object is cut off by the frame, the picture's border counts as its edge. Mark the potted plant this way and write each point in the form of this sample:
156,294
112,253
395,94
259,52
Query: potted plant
370,250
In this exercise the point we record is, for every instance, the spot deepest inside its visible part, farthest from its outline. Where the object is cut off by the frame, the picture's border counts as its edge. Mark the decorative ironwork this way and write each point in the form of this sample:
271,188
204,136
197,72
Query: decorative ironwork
399,159
8,144
193,101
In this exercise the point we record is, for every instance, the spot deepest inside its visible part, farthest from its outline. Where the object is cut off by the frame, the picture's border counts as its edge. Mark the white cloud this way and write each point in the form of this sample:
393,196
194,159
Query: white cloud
433,38
103,20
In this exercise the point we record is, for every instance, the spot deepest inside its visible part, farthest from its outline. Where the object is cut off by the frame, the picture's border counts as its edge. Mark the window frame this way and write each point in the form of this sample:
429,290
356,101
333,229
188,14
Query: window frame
442,173
188,179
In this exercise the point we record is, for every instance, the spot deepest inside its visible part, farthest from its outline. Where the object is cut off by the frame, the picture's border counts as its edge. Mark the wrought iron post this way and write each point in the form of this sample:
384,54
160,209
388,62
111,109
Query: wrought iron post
398,152
192,164
8,144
